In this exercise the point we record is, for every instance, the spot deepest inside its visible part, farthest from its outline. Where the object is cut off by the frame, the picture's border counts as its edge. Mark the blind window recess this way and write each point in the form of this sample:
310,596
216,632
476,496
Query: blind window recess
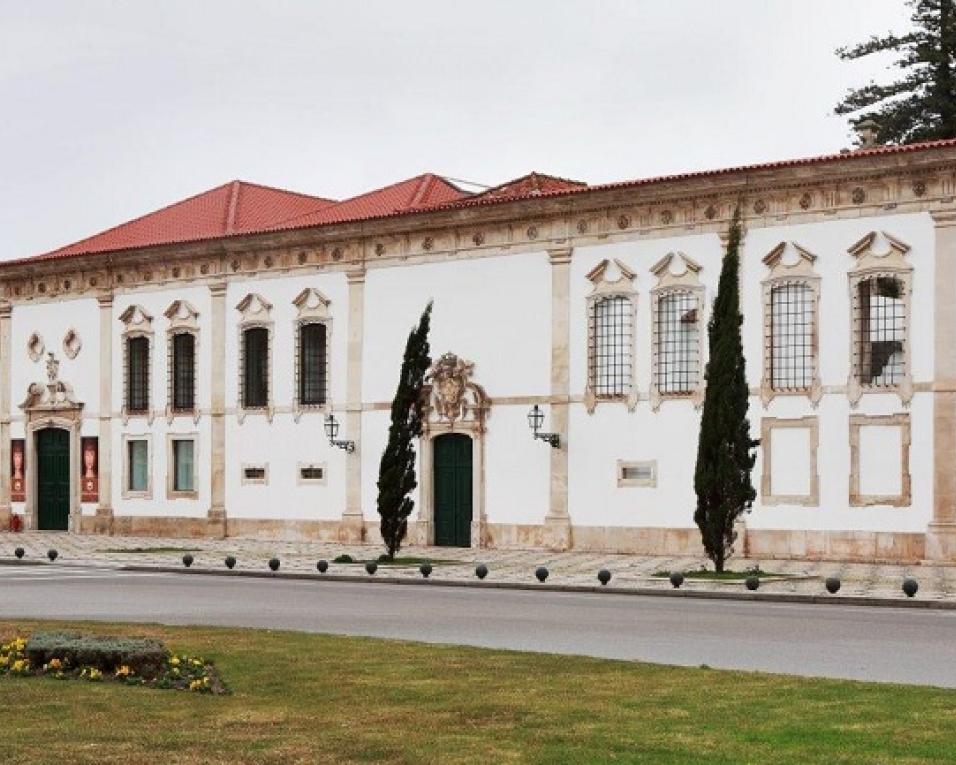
637,474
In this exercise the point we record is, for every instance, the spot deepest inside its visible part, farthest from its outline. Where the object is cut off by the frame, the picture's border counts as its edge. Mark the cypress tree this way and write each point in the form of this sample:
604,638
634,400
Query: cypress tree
396,473
921,104
724,450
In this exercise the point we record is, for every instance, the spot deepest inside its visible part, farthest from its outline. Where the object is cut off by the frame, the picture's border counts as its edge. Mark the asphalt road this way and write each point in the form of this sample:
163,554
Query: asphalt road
866,643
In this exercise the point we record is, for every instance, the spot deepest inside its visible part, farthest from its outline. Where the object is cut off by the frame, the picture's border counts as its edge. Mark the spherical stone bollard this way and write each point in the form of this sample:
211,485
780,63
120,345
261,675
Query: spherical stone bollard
910,586
481,571
187,560
371,567
230,562
322,566
52,554
752,582
604,576
833,585
425,569
19,552
274,564
677,579
541,572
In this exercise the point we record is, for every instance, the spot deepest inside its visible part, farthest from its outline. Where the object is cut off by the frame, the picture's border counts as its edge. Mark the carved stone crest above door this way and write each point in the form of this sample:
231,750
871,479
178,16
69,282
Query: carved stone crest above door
452,396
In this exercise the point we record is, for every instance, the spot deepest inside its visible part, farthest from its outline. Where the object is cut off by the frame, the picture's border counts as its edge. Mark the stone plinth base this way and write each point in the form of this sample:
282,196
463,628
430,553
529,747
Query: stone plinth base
5,514
102,521
352,529
941,542
556,533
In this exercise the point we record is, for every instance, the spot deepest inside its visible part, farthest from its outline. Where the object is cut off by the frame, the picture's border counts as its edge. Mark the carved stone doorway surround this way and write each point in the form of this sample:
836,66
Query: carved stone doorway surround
453,404
52,405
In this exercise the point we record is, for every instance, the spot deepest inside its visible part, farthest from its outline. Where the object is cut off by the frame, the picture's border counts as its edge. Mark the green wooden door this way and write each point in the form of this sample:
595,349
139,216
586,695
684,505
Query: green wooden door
53,479
452,460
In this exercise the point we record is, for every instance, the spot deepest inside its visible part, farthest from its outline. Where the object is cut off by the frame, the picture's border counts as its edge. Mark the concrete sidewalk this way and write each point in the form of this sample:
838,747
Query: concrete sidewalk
456,564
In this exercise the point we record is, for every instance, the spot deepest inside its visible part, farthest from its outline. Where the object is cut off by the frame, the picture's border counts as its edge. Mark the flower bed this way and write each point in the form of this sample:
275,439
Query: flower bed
93,658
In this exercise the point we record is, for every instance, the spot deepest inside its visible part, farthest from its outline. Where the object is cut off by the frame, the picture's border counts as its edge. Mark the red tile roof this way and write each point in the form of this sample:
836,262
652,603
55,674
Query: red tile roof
245,208
233,208
418,193
530,185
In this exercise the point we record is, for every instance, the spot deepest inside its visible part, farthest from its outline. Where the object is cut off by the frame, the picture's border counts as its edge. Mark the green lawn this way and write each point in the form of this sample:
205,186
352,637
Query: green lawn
302,698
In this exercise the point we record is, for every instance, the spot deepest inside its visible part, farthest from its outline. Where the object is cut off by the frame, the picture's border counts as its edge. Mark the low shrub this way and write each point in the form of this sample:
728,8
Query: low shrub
144,656
343,558
94,658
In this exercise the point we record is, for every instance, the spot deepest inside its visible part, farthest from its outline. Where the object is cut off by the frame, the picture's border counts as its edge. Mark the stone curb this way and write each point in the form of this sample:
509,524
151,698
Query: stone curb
764,597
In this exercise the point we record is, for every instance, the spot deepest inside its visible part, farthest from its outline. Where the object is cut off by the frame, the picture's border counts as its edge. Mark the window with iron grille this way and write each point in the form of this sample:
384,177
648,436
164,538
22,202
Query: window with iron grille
255,372
184,372
678,343
791,336
610,345
313,364
137,374
879,326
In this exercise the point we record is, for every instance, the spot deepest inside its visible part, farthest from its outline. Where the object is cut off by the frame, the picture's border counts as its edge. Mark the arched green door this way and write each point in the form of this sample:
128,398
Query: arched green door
452,496
53,479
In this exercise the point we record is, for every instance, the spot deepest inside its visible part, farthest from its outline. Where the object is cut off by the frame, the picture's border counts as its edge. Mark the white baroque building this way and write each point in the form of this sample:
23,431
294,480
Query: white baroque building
173,375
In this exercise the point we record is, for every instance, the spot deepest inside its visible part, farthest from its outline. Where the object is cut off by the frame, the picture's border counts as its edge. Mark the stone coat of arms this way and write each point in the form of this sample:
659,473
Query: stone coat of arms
451,394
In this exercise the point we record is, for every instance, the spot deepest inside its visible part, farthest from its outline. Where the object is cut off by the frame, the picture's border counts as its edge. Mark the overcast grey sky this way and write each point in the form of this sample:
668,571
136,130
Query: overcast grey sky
112,109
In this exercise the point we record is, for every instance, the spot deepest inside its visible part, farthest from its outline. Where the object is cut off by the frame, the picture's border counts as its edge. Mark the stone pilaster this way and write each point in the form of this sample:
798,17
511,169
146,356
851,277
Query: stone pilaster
352,528
5,368
941,533
557,524
216,519
103,522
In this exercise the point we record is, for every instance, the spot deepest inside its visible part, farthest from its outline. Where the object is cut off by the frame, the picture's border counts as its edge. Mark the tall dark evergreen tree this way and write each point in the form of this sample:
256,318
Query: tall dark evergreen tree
921,104
396,473
725,450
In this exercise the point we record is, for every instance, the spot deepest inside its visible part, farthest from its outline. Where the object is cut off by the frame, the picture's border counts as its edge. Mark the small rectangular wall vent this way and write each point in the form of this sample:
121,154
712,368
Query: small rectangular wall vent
637,473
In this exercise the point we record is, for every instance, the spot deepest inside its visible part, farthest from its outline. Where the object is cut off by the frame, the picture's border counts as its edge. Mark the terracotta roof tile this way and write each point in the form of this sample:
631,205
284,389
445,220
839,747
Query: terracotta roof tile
233,208
245,208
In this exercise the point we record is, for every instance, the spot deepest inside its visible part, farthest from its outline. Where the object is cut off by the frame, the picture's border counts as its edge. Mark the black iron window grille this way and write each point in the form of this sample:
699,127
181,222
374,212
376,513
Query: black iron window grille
184,372
791,337
879,326
137,374
678,343
313,364
255,368
610,344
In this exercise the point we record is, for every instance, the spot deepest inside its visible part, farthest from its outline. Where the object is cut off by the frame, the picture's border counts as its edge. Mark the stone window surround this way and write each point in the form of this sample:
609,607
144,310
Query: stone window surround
256,311
603,288
767,426
183,319
264,481
669,283
301,481
127,493
137,323
313,308
870,265
171,491
781,275
623,482
904,498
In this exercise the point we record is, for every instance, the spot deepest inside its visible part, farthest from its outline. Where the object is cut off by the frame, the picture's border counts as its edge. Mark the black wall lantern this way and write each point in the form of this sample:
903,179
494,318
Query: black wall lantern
332,431
535,421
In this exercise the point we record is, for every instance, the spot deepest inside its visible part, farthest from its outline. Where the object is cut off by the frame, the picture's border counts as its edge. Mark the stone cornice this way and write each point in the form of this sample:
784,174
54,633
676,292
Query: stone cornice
919,181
